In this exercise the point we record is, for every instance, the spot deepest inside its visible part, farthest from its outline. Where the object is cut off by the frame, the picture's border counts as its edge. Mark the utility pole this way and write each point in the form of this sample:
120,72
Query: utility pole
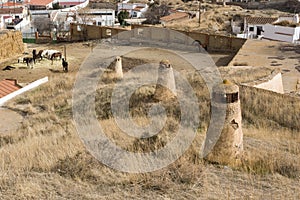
199,13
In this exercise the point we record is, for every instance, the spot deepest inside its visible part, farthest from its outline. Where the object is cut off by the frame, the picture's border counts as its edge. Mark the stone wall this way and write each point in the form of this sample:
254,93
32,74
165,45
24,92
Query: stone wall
11,43
209,42
80,32
219,43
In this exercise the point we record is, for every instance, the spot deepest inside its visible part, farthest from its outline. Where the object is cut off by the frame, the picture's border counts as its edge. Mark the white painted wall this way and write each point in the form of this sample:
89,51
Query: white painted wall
22,90
275,84
2,23
26,21
252,34
282,33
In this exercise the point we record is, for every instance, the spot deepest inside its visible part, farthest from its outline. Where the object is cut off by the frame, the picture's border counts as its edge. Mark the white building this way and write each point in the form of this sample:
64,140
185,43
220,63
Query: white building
254,26
135,10
40,4
99,17
14,18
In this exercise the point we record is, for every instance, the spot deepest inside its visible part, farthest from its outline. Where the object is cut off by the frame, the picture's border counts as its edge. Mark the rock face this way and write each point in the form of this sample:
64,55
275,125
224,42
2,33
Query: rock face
166,87
118,68
229,144
12,42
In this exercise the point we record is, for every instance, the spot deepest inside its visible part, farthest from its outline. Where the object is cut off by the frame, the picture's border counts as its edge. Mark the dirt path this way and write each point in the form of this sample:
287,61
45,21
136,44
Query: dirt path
10,121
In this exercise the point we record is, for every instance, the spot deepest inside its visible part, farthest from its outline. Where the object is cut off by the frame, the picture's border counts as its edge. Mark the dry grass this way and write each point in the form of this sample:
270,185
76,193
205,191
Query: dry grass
45,158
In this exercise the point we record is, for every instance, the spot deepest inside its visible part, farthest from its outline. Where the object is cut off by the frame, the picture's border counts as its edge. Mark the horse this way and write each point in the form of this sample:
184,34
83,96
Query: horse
39,55
48,53
34,55
56,55
29,61
65,65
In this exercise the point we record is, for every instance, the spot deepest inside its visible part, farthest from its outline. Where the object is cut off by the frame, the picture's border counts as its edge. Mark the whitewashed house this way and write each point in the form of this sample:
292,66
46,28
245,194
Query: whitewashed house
254,26
135,10
14,17
99,17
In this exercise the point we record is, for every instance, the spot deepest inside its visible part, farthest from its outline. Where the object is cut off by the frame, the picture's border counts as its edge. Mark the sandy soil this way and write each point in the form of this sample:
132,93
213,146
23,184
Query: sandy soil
264,53
10,121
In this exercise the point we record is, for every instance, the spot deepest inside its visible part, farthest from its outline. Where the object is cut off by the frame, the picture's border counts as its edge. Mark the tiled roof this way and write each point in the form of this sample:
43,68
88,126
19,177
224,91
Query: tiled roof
174,16
69,3
11,11
11,4
40,2
8,86
7,17
260,20
138,8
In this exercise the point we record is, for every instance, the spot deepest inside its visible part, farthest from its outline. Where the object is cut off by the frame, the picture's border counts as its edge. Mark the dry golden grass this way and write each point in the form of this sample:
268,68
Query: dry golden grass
45,159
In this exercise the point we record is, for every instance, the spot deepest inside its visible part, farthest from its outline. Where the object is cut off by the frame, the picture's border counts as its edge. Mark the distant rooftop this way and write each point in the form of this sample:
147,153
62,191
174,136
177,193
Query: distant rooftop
174,16
260,20
10,10
39,2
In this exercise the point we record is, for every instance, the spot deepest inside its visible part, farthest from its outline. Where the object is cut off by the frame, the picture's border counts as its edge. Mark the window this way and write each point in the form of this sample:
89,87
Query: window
231,98
228,98
251,28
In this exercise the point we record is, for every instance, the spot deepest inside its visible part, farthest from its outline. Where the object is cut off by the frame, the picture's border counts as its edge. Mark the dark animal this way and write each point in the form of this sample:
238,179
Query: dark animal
8,68
28,60
39,55
34,55
65,65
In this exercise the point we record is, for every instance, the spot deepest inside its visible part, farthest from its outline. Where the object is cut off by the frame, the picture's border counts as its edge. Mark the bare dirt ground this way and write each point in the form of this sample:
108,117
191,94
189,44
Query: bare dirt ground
10,121
274,55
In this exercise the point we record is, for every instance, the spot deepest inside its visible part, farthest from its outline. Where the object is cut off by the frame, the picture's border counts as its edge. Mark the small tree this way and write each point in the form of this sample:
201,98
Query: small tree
55,6
122,16
155,12
43,25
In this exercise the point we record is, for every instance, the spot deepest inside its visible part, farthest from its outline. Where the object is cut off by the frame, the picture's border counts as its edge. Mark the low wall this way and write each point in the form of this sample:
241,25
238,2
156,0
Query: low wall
81,32
281,33
22,90
11,43
274,84
211,42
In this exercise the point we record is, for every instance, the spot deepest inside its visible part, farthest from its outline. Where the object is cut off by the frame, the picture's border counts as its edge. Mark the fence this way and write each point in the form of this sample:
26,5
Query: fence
29,38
